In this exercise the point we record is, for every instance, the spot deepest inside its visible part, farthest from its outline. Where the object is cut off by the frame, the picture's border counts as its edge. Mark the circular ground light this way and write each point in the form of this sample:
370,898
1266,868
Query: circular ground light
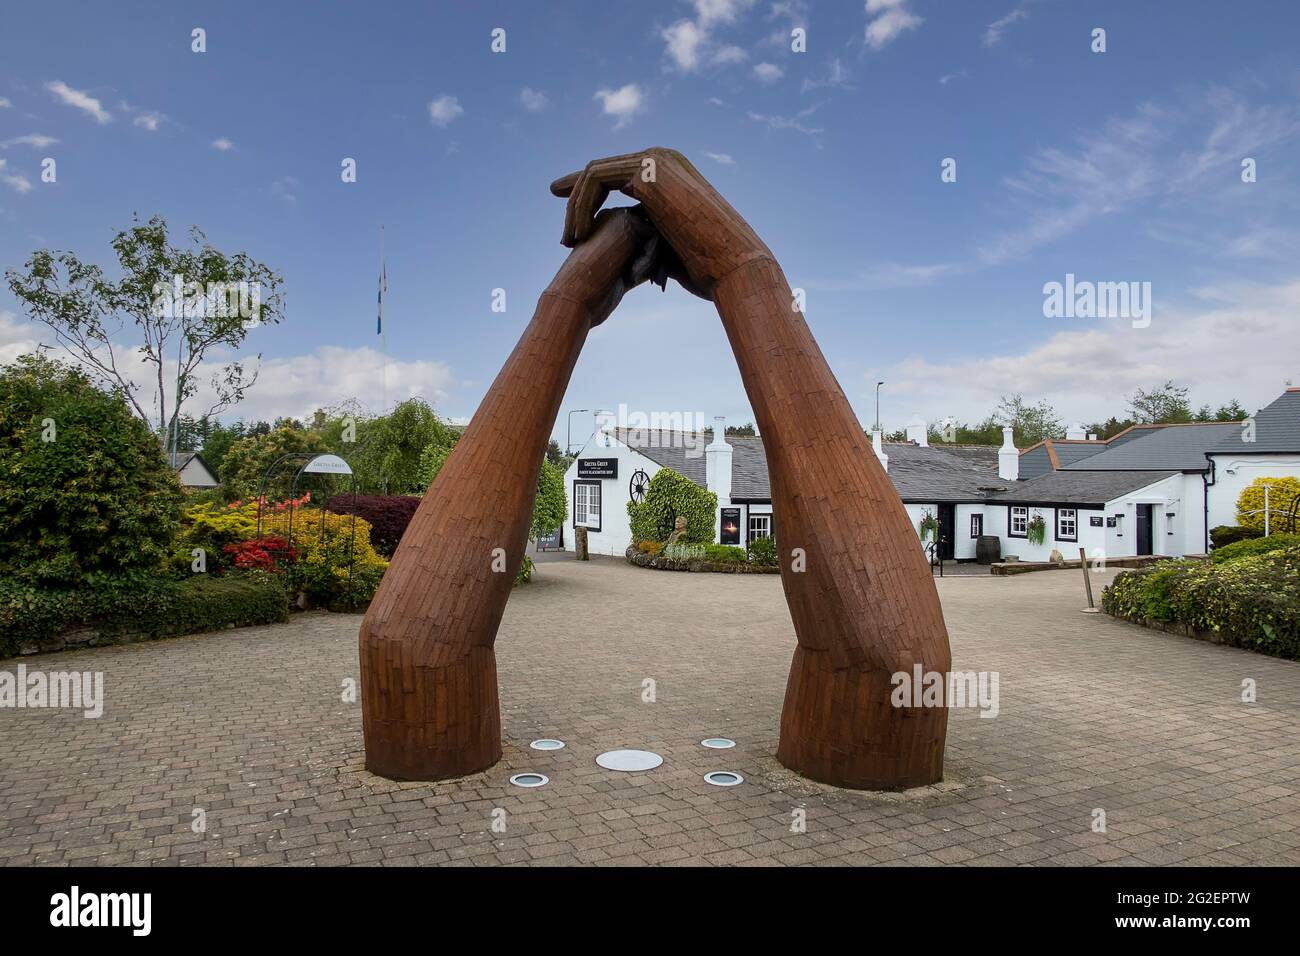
629,760
530,780
724,778
717,743
546,743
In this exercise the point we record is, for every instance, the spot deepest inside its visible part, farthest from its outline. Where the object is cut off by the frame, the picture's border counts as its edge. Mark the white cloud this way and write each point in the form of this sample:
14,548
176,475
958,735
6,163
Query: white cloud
623,103
150,121
16,337
79,99
286,189
993,35
1084,372
796,122
949,77
720,11
5,103
532,100
293,386
222,144
15,181
768,72
444,109
35,140
684,39
837,77
727,55
723,159
887,19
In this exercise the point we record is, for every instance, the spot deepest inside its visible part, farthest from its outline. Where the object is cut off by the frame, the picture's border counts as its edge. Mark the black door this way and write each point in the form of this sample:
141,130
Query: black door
947,531
1143,529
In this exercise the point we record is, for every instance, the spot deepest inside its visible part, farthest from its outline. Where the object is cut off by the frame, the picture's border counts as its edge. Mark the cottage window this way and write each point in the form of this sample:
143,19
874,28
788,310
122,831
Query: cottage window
586,505
1018,522
760,526
1067,524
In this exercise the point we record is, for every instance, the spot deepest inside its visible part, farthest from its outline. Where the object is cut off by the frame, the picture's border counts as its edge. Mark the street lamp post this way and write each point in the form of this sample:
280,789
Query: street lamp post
878,384
568,438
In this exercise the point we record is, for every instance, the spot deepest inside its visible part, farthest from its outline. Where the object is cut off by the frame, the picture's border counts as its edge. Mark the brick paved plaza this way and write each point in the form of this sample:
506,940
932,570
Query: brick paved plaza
249,726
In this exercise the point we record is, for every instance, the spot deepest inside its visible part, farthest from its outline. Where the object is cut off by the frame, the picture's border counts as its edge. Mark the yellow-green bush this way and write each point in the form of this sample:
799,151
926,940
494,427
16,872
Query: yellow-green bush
1250,503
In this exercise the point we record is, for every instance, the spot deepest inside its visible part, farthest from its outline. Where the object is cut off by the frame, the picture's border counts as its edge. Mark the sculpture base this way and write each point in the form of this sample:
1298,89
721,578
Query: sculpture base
429,723
839,727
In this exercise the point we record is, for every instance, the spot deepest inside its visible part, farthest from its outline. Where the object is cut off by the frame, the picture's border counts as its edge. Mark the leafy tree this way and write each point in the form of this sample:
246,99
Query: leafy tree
1030,423
88,312
1162,405
1110,428
218,442
84,487
386,456
245,464
552,504
1231,412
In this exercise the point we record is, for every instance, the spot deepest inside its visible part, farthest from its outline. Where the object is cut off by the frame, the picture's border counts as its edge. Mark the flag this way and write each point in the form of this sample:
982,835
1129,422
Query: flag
383,287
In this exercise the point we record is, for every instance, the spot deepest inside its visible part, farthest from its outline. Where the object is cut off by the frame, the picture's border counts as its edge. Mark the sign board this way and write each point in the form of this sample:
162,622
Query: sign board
597,467
1110,522
553,540
1095,521
327,465
729,526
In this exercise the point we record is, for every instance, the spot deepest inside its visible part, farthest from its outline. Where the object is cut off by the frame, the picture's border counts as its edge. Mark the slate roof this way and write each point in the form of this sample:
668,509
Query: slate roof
1068,487
1038,459
985,456
928,475
1277,430
1171,447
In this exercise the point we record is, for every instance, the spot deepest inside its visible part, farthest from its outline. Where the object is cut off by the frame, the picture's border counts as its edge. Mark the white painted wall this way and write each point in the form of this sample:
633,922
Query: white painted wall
1228,487
615,529
195,475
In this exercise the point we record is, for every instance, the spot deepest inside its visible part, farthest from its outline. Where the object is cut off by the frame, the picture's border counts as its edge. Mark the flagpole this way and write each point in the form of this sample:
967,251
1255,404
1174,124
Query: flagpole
383,333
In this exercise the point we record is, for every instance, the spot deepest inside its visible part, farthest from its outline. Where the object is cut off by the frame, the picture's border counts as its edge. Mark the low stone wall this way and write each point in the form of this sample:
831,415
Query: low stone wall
1024,567
660,563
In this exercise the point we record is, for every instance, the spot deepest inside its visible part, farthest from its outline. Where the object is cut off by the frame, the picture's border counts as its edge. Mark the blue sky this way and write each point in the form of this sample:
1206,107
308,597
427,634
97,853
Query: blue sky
1115,166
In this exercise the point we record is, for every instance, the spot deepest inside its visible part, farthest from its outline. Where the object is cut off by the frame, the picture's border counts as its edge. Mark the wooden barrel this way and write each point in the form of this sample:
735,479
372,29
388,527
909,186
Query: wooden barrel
988,549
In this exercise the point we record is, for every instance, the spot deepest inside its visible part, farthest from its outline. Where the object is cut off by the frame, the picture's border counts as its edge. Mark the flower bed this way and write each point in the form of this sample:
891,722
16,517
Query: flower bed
1252,602
661,561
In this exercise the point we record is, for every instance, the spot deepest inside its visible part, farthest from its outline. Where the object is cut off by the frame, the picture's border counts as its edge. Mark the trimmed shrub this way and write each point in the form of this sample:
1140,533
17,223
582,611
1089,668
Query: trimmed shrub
84,485
1226,534
336,568
1251,602
388,516
668,496
684,552
724,552
1253,546
139,606
763,551
651,548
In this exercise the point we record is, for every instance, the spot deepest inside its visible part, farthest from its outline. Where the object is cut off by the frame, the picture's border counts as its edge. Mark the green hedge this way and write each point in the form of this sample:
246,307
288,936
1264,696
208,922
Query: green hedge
1226,534
1254,546
1252,602
139,606
668,496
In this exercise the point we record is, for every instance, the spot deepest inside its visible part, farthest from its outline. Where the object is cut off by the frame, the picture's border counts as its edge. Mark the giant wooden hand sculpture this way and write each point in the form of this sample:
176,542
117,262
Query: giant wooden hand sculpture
860,592
863,603
428,670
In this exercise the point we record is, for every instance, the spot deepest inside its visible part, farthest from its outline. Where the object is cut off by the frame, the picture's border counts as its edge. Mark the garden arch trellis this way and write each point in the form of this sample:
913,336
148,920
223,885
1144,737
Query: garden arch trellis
310,463
860,594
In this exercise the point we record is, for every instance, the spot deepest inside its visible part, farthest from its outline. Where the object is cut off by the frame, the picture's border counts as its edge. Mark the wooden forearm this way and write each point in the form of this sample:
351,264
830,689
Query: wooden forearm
428,670
865,606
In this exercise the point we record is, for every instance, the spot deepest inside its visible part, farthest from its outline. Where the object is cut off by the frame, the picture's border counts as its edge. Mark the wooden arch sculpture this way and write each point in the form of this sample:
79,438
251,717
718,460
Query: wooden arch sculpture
860,593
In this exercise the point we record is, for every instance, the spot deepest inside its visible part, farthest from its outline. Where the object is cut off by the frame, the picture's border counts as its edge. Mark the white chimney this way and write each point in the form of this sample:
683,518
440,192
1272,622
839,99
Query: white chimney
879,449
1075,432
919,432
1008,457
717,463
1092,436
605,421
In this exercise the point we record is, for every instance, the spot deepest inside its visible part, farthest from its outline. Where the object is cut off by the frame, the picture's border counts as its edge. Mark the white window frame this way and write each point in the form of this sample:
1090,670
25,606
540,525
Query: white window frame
1018,515
765,522
1070,515
586,505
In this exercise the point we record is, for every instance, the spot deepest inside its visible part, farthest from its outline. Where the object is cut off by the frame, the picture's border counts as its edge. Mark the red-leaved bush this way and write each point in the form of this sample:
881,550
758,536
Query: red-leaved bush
261,553
388,516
